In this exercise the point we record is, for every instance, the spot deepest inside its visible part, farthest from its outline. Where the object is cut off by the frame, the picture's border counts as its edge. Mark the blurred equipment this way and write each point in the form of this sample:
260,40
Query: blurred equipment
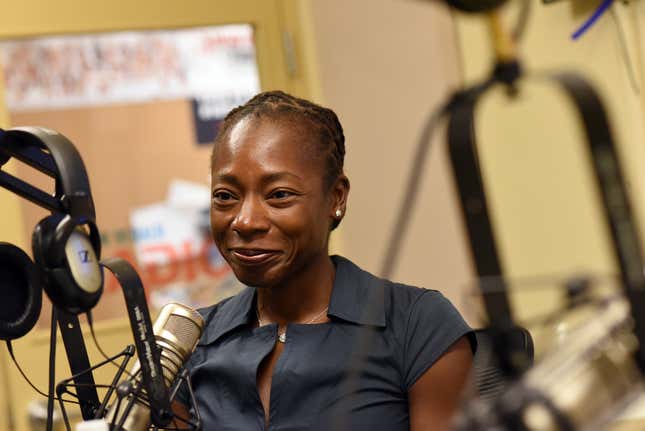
491,381
580,385
177,331
598,369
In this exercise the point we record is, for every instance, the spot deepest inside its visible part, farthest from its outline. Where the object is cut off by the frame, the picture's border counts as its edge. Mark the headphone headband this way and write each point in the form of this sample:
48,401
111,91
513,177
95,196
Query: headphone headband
31,145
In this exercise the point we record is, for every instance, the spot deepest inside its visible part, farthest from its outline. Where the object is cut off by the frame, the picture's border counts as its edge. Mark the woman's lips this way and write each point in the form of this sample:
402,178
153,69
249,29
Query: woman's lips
247,256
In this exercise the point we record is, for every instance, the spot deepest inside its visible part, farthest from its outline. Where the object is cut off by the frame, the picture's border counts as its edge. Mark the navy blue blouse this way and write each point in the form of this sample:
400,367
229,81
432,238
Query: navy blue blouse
400,332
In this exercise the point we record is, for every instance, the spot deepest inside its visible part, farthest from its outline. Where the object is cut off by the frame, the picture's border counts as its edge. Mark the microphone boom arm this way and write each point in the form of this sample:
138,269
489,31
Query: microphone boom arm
144,339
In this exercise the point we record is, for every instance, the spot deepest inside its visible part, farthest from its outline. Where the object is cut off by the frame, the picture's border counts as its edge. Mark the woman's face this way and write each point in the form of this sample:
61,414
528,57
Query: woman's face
271,212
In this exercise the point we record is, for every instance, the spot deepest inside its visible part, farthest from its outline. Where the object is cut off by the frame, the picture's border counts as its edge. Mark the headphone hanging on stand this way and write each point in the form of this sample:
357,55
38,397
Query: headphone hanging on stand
20,284
66,244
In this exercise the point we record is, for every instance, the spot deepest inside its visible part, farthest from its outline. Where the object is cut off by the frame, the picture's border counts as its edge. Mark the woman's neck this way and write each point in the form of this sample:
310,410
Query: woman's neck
302,296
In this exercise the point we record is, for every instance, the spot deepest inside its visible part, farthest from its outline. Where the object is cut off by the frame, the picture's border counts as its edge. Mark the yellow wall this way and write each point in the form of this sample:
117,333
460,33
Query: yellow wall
10,231
545,208
39,17
383,66
10,221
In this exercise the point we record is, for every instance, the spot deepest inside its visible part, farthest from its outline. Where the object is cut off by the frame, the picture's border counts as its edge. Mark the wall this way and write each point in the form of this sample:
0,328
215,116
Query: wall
10,230
384,66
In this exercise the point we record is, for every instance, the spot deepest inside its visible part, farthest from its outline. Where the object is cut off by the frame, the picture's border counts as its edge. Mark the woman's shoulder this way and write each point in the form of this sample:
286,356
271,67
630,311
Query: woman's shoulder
397,295
422,323
411,308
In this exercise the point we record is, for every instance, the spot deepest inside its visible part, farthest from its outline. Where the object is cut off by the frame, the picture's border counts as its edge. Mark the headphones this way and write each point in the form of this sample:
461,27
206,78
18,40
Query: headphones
66,244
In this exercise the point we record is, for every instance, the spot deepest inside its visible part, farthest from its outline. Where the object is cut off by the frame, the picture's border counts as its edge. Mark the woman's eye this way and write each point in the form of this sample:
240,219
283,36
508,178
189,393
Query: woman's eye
222,196
281,194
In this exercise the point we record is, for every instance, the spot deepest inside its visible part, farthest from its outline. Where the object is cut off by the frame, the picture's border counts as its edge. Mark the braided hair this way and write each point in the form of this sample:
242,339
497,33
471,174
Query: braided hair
282,106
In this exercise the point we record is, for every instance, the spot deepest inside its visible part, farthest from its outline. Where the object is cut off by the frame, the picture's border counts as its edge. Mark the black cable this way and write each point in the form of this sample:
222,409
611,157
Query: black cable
406,208
24,376
8,407
414,177
90,322
423,147
52,370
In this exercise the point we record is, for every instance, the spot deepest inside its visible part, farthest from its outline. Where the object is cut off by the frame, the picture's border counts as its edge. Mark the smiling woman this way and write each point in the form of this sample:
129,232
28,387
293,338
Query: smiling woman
275,355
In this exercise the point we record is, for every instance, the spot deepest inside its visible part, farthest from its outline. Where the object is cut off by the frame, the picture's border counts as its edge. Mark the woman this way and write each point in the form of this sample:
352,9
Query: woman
279,354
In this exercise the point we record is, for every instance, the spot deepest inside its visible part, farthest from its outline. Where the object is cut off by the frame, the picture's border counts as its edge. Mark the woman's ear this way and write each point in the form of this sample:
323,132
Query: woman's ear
339,192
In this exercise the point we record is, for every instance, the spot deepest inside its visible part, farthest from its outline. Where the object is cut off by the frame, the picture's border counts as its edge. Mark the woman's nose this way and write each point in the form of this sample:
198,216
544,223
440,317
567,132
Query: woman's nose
250,219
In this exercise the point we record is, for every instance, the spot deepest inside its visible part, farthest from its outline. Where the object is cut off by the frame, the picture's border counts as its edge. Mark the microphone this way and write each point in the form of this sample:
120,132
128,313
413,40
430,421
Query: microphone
177,331
584,383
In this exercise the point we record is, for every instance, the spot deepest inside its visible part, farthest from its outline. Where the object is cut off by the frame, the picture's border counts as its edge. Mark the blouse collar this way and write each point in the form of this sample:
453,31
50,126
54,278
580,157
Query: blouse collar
357,297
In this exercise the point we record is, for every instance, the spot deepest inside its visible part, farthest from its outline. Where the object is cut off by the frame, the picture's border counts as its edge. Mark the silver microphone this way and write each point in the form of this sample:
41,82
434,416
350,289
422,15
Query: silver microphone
177,331
583,384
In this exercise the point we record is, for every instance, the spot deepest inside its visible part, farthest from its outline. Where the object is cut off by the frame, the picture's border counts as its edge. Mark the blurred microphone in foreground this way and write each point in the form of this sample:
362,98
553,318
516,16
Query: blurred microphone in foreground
177,331
581,385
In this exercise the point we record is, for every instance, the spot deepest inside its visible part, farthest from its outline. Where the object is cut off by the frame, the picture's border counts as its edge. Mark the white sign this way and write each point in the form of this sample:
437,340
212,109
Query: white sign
214,63
172,230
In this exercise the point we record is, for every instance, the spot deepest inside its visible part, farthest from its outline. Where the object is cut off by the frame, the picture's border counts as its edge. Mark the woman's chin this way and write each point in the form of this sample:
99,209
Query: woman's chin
256,279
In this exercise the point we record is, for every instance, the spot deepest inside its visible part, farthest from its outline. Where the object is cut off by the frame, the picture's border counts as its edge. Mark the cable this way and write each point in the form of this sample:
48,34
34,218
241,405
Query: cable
90,322
423,147
414,178
406,208
8,407
624,50
22,373
52,369
592,20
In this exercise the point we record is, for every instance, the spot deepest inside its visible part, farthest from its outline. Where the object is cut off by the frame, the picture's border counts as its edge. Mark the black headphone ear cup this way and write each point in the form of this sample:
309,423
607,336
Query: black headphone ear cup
41,242
21,292
74,279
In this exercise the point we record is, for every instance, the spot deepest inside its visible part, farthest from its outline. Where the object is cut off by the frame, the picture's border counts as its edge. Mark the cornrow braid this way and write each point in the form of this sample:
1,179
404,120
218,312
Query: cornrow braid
278,104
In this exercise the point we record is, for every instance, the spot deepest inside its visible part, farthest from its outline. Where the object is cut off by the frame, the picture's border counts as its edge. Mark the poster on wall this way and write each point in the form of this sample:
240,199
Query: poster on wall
214,67
135,104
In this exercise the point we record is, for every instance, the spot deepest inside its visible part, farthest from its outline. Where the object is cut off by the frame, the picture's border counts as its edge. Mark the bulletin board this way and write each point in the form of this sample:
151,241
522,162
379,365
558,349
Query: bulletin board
129,150
142,108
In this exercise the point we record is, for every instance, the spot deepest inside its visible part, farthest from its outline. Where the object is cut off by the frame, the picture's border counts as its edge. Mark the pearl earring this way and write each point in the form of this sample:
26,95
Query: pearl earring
339,213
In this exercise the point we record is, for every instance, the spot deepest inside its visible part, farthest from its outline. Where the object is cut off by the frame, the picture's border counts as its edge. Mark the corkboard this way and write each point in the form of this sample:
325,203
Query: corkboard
131,153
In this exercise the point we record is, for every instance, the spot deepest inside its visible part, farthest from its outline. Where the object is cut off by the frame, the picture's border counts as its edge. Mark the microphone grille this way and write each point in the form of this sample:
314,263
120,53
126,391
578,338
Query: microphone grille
179,325
185,330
